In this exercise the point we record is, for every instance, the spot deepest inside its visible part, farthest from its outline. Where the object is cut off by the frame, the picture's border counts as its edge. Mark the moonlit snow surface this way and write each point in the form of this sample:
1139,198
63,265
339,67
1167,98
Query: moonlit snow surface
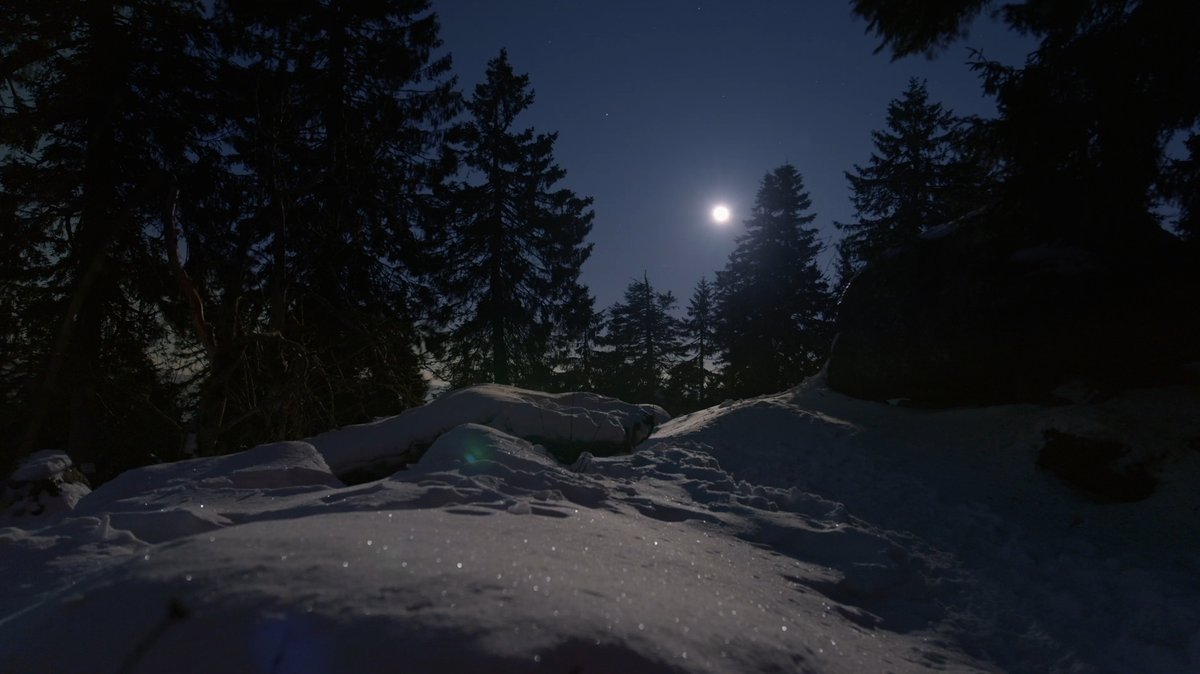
799,532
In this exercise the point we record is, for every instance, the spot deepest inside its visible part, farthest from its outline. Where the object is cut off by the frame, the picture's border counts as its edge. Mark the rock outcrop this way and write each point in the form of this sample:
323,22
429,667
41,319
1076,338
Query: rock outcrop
971,318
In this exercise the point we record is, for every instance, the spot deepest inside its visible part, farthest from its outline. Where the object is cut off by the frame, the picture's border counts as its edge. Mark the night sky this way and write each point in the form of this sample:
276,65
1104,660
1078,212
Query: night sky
666,108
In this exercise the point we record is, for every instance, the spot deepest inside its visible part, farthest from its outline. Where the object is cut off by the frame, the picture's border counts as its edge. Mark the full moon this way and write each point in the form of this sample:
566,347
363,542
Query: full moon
720,214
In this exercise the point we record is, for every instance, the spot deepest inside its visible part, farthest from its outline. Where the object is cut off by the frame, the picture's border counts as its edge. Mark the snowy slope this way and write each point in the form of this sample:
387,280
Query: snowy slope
800,532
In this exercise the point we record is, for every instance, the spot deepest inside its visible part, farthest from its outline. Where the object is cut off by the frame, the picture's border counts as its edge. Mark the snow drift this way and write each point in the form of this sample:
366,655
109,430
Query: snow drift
805,531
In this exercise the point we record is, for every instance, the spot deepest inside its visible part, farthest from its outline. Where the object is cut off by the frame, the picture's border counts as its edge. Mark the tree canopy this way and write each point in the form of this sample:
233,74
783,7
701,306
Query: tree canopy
1086,121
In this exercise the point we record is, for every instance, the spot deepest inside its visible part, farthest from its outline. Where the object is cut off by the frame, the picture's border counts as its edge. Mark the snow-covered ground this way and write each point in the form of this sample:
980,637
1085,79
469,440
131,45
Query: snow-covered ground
805,531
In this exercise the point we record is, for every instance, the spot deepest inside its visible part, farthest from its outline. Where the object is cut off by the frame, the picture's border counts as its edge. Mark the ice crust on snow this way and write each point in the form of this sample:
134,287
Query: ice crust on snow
799,532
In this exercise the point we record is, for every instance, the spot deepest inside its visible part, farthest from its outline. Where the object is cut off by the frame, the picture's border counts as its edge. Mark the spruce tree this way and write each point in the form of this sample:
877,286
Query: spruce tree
1085,120
644,339
772,301
575,349
514,243
846,267
306,250
919,176
102,102
692,381
1182,186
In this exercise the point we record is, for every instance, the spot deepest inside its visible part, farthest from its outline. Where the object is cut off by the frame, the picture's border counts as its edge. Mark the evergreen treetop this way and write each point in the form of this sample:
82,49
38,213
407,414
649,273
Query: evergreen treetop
514,245
920,175
773,301
692,380
645,340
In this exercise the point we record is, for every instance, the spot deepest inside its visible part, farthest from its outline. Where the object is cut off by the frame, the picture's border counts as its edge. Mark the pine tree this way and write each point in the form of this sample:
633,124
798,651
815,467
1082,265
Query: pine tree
514,245
772,301
919,176
692,380
645,341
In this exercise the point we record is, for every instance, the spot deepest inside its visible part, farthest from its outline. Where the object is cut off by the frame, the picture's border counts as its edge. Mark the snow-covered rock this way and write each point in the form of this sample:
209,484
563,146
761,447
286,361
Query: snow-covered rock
43,465
579,421
805,531
270,466
44,484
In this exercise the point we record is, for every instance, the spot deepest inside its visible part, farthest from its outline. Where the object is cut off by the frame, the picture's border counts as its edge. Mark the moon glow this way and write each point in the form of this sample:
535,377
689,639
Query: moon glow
720,214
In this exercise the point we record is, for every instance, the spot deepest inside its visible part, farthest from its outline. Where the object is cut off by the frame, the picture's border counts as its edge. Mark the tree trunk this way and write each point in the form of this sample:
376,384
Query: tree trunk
76,347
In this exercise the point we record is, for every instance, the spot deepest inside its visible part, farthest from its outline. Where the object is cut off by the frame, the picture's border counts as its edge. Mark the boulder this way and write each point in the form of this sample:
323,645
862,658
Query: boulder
1101,469
564,423
970,318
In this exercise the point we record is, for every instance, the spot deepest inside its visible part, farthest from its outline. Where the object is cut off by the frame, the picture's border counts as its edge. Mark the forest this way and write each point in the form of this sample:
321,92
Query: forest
228,223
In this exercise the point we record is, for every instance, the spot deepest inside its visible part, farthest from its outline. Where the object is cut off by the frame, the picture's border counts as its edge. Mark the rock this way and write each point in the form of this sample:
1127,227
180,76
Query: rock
971,318
1099,468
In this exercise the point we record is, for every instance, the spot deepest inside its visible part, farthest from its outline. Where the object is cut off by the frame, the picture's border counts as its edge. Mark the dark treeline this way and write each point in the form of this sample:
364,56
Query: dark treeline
233,222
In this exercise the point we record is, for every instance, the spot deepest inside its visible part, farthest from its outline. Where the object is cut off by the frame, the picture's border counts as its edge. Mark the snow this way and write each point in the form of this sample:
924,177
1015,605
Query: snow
805,531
